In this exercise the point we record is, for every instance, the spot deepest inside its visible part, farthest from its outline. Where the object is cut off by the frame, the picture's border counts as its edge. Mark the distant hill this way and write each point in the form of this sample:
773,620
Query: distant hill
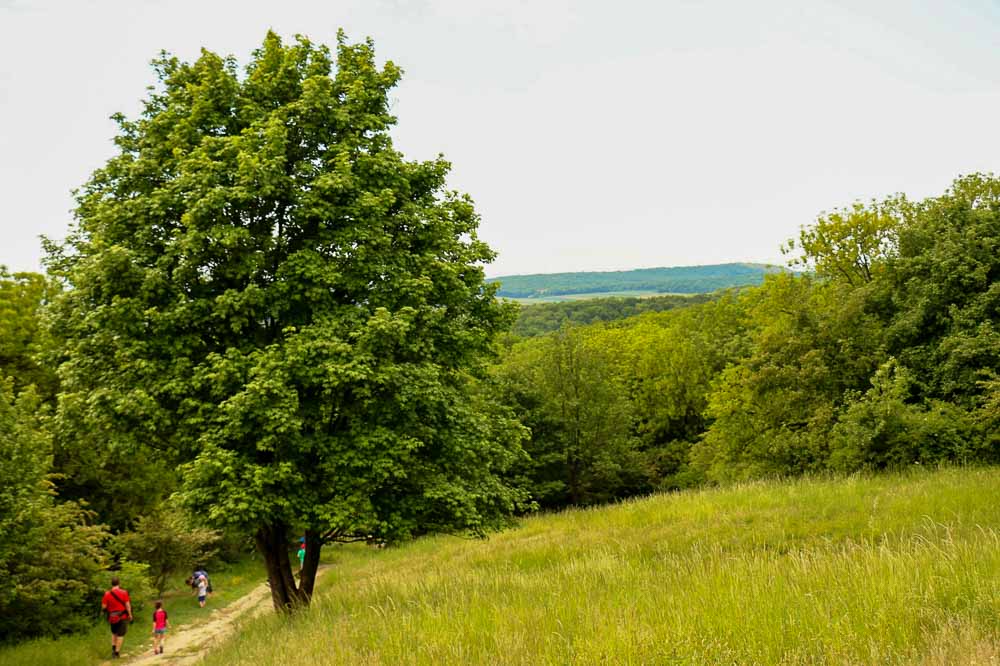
676,280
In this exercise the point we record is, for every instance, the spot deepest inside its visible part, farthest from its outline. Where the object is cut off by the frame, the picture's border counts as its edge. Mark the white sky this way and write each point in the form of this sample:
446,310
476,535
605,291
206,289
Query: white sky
593,135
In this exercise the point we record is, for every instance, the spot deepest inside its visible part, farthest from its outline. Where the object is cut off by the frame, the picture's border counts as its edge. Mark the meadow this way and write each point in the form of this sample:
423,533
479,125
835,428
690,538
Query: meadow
898,569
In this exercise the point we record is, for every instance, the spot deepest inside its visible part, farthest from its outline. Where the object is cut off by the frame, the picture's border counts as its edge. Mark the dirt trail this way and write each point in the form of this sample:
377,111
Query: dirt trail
187,645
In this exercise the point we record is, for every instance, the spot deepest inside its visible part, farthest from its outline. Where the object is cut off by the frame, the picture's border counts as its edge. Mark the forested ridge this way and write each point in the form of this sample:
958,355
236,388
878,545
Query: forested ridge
677,279
267,323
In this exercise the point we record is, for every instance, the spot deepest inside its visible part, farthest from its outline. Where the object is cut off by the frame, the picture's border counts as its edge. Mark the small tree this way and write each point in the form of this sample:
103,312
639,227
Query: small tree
264,290
168,542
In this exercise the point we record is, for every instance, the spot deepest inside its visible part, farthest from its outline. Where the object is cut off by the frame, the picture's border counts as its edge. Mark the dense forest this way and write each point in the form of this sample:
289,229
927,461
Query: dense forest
883,353
538,318
675,280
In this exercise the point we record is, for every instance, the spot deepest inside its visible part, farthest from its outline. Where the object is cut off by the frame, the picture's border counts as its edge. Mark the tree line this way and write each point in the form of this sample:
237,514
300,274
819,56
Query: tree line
538,318
883,352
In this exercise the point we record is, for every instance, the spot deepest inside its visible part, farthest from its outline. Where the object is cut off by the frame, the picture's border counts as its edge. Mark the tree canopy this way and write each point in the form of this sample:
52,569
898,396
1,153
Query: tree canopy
263,290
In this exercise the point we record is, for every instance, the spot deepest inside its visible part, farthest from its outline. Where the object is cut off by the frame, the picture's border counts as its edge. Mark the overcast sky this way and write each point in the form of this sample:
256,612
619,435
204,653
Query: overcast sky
593,135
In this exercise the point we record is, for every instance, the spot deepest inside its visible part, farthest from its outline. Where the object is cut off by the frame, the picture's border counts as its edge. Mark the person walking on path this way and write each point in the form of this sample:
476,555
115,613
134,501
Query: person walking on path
118,606
202,584
302,553
160,626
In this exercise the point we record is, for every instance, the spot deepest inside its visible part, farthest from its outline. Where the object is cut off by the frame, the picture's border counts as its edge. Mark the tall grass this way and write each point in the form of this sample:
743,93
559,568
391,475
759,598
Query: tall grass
887,570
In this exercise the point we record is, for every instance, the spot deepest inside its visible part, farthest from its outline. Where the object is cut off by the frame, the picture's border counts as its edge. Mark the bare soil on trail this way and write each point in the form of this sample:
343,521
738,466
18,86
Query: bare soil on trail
189,643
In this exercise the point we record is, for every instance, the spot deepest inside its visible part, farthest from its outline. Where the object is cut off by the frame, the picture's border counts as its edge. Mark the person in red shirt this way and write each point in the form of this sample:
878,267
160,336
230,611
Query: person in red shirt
118,606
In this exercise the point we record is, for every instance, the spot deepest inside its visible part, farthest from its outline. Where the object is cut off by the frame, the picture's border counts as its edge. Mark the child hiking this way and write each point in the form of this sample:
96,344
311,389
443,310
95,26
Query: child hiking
160,626
118,606
202,585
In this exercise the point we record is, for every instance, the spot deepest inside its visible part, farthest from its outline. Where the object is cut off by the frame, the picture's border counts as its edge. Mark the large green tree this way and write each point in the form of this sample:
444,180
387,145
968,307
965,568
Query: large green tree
941,295
263,290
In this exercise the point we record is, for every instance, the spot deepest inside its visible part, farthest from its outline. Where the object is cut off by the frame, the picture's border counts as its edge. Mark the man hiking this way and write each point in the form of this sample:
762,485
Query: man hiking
118,606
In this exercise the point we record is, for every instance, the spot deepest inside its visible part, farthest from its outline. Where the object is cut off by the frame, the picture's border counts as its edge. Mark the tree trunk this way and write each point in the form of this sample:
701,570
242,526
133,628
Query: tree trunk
308,577
272,542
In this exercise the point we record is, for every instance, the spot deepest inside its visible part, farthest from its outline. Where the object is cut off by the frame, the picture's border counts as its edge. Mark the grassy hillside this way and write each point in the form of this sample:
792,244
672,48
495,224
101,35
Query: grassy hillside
895,569
676,280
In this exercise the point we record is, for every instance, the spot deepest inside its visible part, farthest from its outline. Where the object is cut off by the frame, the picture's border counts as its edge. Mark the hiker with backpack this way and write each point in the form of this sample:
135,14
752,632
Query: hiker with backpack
160,626
118,607
192,580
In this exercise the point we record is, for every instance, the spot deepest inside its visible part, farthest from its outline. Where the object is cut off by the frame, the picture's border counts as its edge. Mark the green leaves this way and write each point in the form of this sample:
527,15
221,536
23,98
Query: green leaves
851,244
264,289
49,551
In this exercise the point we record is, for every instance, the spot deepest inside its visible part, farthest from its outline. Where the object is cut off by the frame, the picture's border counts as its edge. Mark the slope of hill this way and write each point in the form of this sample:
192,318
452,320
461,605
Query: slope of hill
676,280
891,569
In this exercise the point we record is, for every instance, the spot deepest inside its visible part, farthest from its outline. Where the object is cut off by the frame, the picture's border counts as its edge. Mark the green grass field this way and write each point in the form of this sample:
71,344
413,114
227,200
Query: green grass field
229,583
888,570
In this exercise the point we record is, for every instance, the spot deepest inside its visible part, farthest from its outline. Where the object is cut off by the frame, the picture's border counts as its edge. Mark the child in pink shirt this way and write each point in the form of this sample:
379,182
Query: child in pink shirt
160,624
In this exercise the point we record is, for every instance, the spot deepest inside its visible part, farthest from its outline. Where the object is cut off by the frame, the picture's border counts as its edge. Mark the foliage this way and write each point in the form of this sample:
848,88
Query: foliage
49,552
22,295
941,295
851,244
882,430
676,280
810,342
565,387
671,361
540,318
265,292
133,577
168,541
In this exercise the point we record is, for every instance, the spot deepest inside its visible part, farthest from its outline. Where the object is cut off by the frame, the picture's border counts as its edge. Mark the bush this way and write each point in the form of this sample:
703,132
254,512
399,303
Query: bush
134,578
880,430
167,542
49,552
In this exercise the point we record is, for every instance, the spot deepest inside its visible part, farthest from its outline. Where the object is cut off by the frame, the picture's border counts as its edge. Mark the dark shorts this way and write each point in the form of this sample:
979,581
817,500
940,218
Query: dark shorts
119,628
201,598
